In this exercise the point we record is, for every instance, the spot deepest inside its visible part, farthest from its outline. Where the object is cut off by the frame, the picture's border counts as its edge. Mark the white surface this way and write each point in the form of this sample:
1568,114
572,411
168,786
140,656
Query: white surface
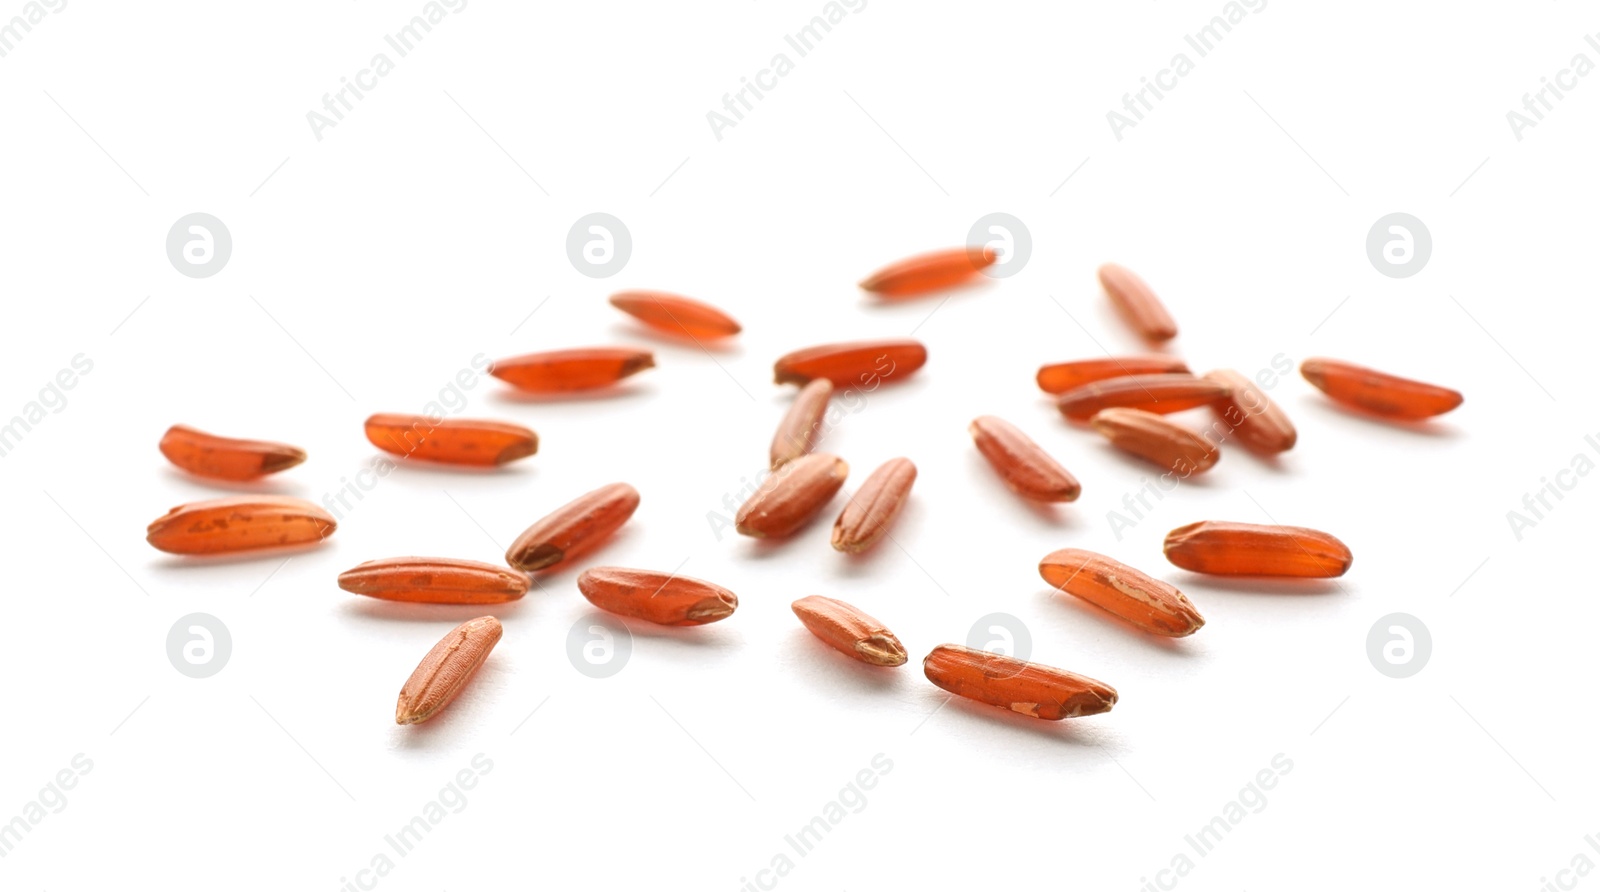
406,241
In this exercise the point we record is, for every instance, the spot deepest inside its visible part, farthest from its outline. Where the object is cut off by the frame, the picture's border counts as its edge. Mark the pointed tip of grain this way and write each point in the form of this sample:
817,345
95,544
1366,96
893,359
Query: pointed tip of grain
882,650
1314,371
536,558
282,460
518,450
637,364
712,609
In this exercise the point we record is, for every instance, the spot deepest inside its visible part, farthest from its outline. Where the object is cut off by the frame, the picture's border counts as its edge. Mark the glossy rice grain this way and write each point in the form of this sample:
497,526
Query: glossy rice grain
1163,443
1061,377
452,441
574,528
1152,393
226,458
929,272
849,631
791,496
571,371
446,669
676,315
431,580
861,365
240,523
1254,419
662,598
1138,304
1122,591
870,511
1026,469
801,426
1030,689
1224,548
1378,392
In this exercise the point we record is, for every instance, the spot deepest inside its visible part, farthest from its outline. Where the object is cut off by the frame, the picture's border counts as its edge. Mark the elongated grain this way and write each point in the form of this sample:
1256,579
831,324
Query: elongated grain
574,528
239,523
929,272
432,580
1061,377
1031,689
1156,440
226,458
1152,393
676,315
1225,548
801,427
570,371
1255,419
1379,392
860,365
791,496
454,441
1138,303
662,598
446,669
1026,469
1123,591
867,515
849,631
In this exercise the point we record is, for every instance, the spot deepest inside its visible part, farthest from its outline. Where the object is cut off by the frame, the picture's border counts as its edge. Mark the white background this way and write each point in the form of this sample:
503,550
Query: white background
372,265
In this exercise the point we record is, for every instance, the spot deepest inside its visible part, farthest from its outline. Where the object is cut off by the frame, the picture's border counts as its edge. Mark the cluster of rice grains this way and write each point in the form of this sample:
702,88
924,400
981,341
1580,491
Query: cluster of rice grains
1124,398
